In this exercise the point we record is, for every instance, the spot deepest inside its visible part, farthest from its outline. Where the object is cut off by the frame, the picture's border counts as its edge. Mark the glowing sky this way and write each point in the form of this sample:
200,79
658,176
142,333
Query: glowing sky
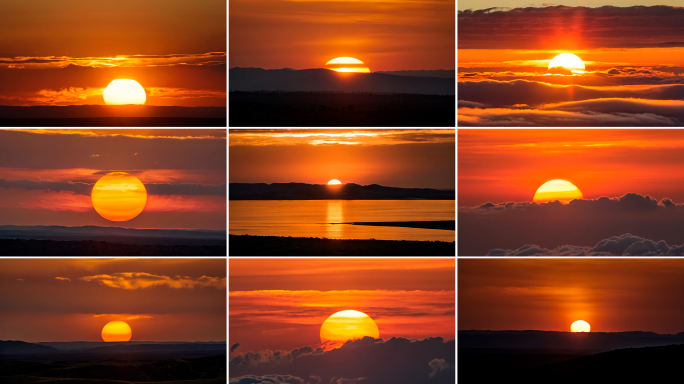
385,34
509,165
281,303
46,176
634,58
611,295
72,299
408,158
66,52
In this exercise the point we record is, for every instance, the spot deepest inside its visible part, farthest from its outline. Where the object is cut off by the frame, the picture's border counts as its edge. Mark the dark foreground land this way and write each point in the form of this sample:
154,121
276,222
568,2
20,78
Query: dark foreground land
246,245
629,365
177,363
117,122
24,247
333,109
449,225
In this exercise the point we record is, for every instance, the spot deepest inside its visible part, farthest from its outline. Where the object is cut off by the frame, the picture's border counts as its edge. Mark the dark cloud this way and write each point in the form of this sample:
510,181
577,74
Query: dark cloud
368,361
583,27
624,245
45,151
517,117
508,93
48,186
267,379
234,347
85,188
588,224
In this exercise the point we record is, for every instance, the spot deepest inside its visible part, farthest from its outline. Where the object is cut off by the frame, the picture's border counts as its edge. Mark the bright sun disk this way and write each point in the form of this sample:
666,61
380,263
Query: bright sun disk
568,61
348,325
561,190
116,331
123,92
580,326
334,182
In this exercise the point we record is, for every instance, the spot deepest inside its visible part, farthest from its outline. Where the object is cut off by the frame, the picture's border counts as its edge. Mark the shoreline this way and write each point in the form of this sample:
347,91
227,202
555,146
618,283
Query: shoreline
248,245
448,225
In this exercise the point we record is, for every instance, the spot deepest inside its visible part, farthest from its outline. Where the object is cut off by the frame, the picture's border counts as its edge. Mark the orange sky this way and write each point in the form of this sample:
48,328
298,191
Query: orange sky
67,52
407,158
281,303
611,295
385,34
72,299
46,176
509,165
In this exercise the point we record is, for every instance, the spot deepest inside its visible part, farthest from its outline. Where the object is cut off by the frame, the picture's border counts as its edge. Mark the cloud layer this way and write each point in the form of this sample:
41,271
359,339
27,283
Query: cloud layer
502,228
368,360
582,27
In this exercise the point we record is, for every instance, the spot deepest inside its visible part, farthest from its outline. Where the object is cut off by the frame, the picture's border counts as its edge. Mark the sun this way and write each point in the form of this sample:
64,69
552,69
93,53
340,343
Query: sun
580,326
334,182
348,325
568,61
561,190
116,331
119,196
347,64
123,92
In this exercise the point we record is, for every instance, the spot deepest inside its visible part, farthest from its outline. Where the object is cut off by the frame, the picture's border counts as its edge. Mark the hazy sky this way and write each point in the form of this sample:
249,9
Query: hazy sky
385,34
633,66
281,303
483,4
408,158
613,295
46,176
71,300
66,52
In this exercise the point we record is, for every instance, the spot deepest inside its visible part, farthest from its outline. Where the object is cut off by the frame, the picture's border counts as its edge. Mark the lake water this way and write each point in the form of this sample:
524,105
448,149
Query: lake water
309,218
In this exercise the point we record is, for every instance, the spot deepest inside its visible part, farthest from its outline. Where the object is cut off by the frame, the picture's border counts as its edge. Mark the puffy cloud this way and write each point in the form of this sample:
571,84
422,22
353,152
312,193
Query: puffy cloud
267,379
439,365
584,27
500,229
141,280
367,360
624,245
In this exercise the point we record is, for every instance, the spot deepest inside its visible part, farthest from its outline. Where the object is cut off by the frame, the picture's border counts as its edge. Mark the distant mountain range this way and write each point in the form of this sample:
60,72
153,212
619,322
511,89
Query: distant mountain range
564,340
325,80
350,191
115,235
21,348
445,73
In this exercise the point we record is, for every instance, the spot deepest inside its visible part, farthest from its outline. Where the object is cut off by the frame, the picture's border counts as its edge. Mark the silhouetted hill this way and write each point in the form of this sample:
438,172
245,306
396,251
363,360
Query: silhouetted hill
563,340
445,73
116,235
13,347
21,247
216,348
334,109
183,371
630,365
317,80
350,191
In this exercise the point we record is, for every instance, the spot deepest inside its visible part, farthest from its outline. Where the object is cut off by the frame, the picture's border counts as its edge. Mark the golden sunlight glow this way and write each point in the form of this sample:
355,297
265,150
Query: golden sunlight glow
580,326
568,61
116,331
348,325
334,182
347,64
119,196
561,190
123,92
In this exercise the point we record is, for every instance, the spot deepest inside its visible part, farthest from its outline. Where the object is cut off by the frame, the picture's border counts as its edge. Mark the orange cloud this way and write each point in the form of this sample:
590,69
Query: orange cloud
142,280
62,278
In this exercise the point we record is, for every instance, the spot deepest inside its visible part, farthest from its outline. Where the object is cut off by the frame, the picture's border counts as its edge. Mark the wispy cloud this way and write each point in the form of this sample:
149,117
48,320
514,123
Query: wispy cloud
142,280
